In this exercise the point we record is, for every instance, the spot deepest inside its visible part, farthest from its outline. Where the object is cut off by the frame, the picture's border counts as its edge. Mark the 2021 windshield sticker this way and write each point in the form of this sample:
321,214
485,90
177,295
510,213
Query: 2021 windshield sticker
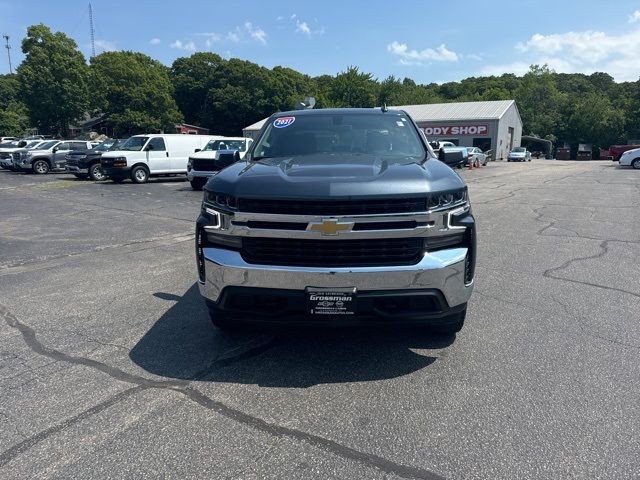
283,122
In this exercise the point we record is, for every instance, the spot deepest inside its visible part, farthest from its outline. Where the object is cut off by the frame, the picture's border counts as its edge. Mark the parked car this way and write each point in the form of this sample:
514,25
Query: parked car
7,150
631,158
475,154
616,151
519,154
216,155
142,156
86,163
50,155
311,231
436,145
6,139
17,154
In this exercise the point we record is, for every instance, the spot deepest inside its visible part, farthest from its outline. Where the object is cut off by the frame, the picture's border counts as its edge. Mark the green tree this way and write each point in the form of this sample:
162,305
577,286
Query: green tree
54,79
539,101
595,120
135,92
192,79
353,88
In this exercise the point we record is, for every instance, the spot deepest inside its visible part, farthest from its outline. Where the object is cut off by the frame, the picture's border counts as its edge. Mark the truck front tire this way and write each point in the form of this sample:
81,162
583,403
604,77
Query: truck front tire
198,182
96,173
40,167
139,174
636,164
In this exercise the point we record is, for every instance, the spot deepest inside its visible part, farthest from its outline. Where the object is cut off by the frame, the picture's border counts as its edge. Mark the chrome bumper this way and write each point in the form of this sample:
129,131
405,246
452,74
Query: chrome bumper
442,270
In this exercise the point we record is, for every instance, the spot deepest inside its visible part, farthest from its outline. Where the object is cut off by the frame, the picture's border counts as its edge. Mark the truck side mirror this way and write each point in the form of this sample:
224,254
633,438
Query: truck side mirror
197,150
148,148
55,149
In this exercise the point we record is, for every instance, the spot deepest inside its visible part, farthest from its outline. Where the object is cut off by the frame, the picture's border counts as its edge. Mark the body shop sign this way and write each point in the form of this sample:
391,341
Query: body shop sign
447,130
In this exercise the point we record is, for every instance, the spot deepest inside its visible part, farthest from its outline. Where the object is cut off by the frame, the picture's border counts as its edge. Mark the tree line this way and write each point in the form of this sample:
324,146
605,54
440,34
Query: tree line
55,86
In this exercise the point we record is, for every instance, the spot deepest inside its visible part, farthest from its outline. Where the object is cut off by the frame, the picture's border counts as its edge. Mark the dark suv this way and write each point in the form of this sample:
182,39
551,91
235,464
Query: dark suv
86,163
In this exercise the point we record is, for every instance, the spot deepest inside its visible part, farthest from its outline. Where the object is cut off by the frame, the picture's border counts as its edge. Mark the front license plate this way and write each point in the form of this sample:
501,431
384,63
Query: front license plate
331,301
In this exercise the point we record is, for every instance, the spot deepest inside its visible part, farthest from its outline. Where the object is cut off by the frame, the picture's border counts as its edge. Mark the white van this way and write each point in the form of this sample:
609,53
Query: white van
142,156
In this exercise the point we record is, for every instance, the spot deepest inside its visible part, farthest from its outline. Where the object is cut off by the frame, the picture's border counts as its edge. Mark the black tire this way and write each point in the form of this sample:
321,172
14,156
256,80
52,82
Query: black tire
96,173
81,176
455,325
198,182
636,164
139,174
40,167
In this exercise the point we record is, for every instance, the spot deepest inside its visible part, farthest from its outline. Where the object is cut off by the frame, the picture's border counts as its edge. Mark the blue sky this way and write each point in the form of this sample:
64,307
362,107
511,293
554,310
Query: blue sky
429,41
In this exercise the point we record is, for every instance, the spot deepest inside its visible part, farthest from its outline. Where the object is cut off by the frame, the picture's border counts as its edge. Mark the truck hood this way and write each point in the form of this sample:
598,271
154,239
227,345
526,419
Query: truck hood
324,176
118,153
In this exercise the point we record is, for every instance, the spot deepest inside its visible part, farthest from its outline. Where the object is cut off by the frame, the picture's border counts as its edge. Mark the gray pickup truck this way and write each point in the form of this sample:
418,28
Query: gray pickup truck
340,216
50,155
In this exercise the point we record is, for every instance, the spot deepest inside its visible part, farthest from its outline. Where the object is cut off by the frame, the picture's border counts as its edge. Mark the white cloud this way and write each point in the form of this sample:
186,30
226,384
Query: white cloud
578,52
211,38
256,33
233,37
415,57
154,41
634,17
106,45
189,46
302,27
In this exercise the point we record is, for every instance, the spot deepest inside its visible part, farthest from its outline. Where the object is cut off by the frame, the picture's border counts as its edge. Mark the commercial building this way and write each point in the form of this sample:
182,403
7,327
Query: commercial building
491,125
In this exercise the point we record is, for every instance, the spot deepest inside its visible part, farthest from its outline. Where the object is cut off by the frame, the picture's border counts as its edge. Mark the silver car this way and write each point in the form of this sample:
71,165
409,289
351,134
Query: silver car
519,154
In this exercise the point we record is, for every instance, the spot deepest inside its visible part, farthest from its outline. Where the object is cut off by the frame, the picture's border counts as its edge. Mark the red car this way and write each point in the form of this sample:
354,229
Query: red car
616,150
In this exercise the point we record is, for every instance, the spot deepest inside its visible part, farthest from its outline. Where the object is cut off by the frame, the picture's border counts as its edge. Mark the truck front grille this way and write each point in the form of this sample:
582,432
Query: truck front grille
332,253
321,207
204,165
15,156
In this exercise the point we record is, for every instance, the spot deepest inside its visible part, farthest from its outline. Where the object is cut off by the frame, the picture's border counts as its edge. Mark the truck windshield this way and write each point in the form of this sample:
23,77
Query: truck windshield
390,136
518,149
48,145
134,144
225,145
104,146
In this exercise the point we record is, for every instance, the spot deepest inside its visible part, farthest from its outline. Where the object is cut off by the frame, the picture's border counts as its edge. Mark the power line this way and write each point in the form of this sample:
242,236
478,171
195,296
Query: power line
8,47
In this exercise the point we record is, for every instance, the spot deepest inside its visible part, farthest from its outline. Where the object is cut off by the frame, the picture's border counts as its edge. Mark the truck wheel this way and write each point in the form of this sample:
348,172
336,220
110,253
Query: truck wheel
96,173
636,164
198,182
457,322
139,174
40,167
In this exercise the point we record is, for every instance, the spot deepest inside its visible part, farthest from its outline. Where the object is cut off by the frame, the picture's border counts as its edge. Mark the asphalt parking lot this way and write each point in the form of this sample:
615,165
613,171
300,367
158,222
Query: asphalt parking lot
110,368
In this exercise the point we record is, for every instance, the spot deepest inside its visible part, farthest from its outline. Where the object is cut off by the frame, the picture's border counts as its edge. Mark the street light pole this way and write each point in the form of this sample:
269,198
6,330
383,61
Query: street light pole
8,47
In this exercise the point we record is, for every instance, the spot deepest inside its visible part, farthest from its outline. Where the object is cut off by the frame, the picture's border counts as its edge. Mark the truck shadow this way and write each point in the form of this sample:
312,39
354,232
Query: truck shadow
183,344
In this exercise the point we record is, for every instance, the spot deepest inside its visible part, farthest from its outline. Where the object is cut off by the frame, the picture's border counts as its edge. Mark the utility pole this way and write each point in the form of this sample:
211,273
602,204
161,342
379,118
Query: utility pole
8,47
92,32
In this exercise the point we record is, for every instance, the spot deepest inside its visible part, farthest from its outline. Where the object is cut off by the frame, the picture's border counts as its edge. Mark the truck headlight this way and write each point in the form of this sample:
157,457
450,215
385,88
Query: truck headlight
120,162
447,200
220,200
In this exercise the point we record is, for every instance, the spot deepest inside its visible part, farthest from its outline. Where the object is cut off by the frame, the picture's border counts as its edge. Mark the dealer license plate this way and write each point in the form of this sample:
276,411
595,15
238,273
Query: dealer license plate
331,301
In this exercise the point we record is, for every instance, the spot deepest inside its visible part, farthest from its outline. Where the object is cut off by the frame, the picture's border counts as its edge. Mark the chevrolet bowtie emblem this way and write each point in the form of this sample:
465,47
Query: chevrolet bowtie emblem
330,226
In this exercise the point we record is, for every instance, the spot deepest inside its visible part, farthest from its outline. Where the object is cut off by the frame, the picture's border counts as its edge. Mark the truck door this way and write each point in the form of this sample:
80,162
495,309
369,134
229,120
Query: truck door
61,151
157,156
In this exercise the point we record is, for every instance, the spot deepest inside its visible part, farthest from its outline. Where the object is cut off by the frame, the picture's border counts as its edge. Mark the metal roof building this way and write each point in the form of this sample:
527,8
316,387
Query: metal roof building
491,125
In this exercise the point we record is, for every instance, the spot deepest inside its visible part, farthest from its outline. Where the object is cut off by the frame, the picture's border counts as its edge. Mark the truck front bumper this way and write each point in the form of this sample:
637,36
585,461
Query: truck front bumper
76,169
436,286
191,174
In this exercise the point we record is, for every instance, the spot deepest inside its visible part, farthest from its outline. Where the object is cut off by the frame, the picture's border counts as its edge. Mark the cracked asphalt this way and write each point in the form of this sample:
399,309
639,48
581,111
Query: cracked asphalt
109,367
